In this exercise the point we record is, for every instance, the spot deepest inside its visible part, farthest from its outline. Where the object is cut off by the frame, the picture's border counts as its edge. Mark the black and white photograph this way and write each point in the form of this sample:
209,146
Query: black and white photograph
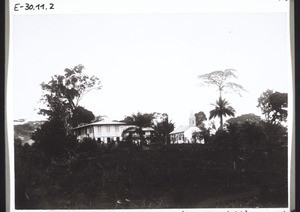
149,110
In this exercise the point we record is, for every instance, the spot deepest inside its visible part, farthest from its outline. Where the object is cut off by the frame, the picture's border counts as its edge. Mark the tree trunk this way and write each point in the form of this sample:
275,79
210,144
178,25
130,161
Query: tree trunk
221,122
142,140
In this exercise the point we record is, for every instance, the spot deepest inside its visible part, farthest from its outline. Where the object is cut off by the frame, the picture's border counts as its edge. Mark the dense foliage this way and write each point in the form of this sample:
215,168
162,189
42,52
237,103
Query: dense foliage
159,122
244,165
81,116
241,165
273,106
50,138
200,118
140,119
163,127
250,117
62,94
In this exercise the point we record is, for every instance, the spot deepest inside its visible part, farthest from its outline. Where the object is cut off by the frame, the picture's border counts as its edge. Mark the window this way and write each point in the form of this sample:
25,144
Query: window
117,128
99,128
108,129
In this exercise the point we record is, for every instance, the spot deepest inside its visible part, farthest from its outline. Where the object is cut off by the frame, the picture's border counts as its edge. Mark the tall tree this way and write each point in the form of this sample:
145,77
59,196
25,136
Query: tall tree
221,80
163,127
274,106
222,108
63,93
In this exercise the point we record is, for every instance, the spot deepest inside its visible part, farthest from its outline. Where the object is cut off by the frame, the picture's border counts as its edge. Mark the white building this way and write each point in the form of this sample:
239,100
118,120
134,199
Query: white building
109,131
185,134
102,131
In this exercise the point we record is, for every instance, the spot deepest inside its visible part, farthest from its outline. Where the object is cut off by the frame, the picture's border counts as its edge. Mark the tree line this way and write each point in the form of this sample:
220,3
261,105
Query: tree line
62,95
58,159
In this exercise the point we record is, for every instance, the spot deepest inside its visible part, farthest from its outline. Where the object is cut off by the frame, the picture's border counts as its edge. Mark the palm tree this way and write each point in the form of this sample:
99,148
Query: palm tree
222,108
140,121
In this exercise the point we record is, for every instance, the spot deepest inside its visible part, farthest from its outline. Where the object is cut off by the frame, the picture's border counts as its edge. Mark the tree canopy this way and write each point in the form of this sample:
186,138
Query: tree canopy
250,117
273,105
50,138
61,96
222,108
200,118
63,93
221,80
140,119
160,122
81,116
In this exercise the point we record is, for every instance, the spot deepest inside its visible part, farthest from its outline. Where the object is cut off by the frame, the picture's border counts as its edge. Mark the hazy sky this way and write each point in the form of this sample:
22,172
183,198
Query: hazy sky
150,62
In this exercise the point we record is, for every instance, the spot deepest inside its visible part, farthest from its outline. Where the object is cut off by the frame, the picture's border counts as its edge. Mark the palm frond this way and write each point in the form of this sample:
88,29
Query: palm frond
222,108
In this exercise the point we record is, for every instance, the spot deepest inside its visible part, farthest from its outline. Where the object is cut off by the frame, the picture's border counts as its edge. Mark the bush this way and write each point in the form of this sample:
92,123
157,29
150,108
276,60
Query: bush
88,145
51,138
221,138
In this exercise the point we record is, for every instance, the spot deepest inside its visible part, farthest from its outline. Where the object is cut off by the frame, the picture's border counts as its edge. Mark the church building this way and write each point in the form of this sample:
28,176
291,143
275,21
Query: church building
186,134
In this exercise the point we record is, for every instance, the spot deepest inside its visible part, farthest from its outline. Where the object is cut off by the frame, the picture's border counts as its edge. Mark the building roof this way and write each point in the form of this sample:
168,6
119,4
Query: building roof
183,129
133,128
180,129
147,129
100,123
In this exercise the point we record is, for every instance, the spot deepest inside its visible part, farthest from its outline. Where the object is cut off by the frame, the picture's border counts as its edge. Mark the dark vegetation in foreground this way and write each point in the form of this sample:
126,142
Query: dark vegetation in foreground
243,164
228,171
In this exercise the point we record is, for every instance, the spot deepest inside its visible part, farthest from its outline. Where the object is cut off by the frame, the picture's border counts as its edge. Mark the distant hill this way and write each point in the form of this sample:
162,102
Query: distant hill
19,120
24,131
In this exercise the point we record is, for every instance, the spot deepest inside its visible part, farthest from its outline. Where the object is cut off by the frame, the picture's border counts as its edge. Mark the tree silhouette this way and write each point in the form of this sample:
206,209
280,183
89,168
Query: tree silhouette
222,108
50,138
164,127
250,117
81,116
220,79
200,118
274,106
63,93
140,120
